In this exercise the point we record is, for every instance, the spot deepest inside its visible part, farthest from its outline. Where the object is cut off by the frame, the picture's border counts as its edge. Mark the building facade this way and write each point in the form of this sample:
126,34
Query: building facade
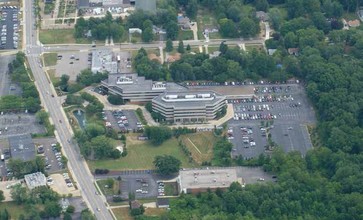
189,107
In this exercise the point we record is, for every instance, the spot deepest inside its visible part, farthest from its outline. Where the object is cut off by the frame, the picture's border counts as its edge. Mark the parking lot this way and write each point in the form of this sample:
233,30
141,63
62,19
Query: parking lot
72,63
51,154
143,185
286,110
9,27
6,86
122,121
21,123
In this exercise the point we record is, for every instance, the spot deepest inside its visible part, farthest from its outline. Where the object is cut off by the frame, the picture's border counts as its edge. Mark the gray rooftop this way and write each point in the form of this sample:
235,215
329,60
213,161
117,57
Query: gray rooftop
188,99
22,147
103,60
207,178
146,5
35,179
131,82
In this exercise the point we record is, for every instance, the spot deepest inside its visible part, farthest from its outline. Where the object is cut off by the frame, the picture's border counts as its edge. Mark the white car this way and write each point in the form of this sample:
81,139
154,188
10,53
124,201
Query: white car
144,192
138,190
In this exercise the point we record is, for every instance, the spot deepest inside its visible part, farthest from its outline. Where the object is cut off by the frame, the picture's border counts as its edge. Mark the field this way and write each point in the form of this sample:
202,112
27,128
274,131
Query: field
250,47
14,210
122,213
185,35
50,59
60,36
140,155
107,190
200,145
171,189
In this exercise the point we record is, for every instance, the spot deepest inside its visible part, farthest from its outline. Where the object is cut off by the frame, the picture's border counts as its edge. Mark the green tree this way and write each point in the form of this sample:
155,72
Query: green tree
248,28
86,214
188,48
19,194
64,81
94,130
67,216
115,99
227,28
42,116
172,30
192,9
169,45
158,134
147,34
2,197
181,48
167,164
70,209
52,209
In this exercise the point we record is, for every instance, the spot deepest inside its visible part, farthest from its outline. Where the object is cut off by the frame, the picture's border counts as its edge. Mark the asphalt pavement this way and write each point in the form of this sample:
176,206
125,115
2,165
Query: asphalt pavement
77,165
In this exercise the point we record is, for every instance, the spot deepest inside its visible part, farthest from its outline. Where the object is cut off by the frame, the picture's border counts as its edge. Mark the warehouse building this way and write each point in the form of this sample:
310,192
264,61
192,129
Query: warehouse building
201,180
134,88
189,107
22,147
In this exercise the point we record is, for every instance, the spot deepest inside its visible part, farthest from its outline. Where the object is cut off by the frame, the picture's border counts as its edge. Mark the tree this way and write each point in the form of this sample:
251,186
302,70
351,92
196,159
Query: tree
64,82
115,99
169,45
234,13
67,216
2,197
110,182
188,48
167,164
86,214
158,134
192,8
227,28
70,209
248,28
172,30
19,194
93,130
223,48
147,34
261,5
42,116
181,48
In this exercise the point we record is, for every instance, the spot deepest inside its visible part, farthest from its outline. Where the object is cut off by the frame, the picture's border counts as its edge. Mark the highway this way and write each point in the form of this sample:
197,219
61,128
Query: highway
76,164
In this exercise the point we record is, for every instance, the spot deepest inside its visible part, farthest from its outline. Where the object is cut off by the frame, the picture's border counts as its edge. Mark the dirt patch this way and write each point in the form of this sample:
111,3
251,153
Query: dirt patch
5,187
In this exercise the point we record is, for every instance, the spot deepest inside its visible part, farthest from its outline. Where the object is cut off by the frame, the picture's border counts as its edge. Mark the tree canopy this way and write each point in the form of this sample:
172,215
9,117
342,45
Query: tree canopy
166,165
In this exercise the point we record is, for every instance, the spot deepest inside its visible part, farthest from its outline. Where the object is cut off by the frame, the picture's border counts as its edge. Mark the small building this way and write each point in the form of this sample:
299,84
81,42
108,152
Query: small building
271,52
262,16
135,204
184,22
22,147
162,202
202,180
354,23
104,61
293,51
189,107
35,180
134,88
146,5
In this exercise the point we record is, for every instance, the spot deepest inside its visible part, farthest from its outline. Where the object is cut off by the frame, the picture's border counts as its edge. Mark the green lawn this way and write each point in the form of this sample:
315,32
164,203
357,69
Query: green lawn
50,59
171,189
250,47
60,36
141,155
107,190
200,145
122,213
14,209
55,80
215,35
185,35
212,49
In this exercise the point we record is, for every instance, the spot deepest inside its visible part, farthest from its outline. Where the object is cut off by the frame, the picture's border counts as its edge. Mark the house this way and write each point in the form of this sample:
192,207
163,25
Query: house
184,22
162,202
263,16
293,51
354,23
271,51
135,204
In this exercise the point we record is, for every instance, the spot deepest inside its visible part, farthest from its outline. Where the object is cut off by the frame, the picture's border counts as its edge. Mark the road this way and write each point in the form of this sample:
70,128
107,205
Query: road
76,164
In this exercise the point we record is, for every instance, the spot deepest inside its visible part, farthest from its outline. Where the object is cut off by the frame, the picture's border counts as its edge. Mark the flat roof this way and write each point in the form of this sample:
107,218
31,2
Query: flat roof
131,82
227,90
102,60
207,178
188,99
35,179
22,147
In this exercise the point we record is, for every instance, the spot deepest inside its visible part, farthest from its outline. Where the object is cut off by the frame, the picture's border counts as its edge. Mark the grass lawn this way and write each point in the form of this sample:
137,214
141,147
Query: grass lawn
50,59
350,16
200,145
14,209
250,47
141,155
171,189
107,190
60,36
212,49
185,35
215,35
154,211
122,213
55,80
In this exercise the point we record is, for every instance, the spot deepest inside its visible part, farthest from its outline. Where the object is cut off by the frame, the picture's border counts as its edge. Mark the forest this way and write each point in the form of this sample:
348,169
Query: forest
328,182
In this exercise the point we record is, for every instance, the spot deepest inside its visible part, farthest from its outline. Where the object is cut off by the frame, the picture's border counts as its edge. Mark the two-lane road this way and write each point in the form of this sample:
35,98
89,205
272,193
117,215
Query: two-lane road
77,166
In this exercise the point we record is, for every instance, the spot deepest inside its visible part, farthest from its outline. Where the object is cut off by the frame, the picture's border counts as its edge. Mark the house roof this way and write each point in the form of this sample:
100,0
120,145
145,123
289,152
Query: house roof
22,147
354,23
293,50
135,204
